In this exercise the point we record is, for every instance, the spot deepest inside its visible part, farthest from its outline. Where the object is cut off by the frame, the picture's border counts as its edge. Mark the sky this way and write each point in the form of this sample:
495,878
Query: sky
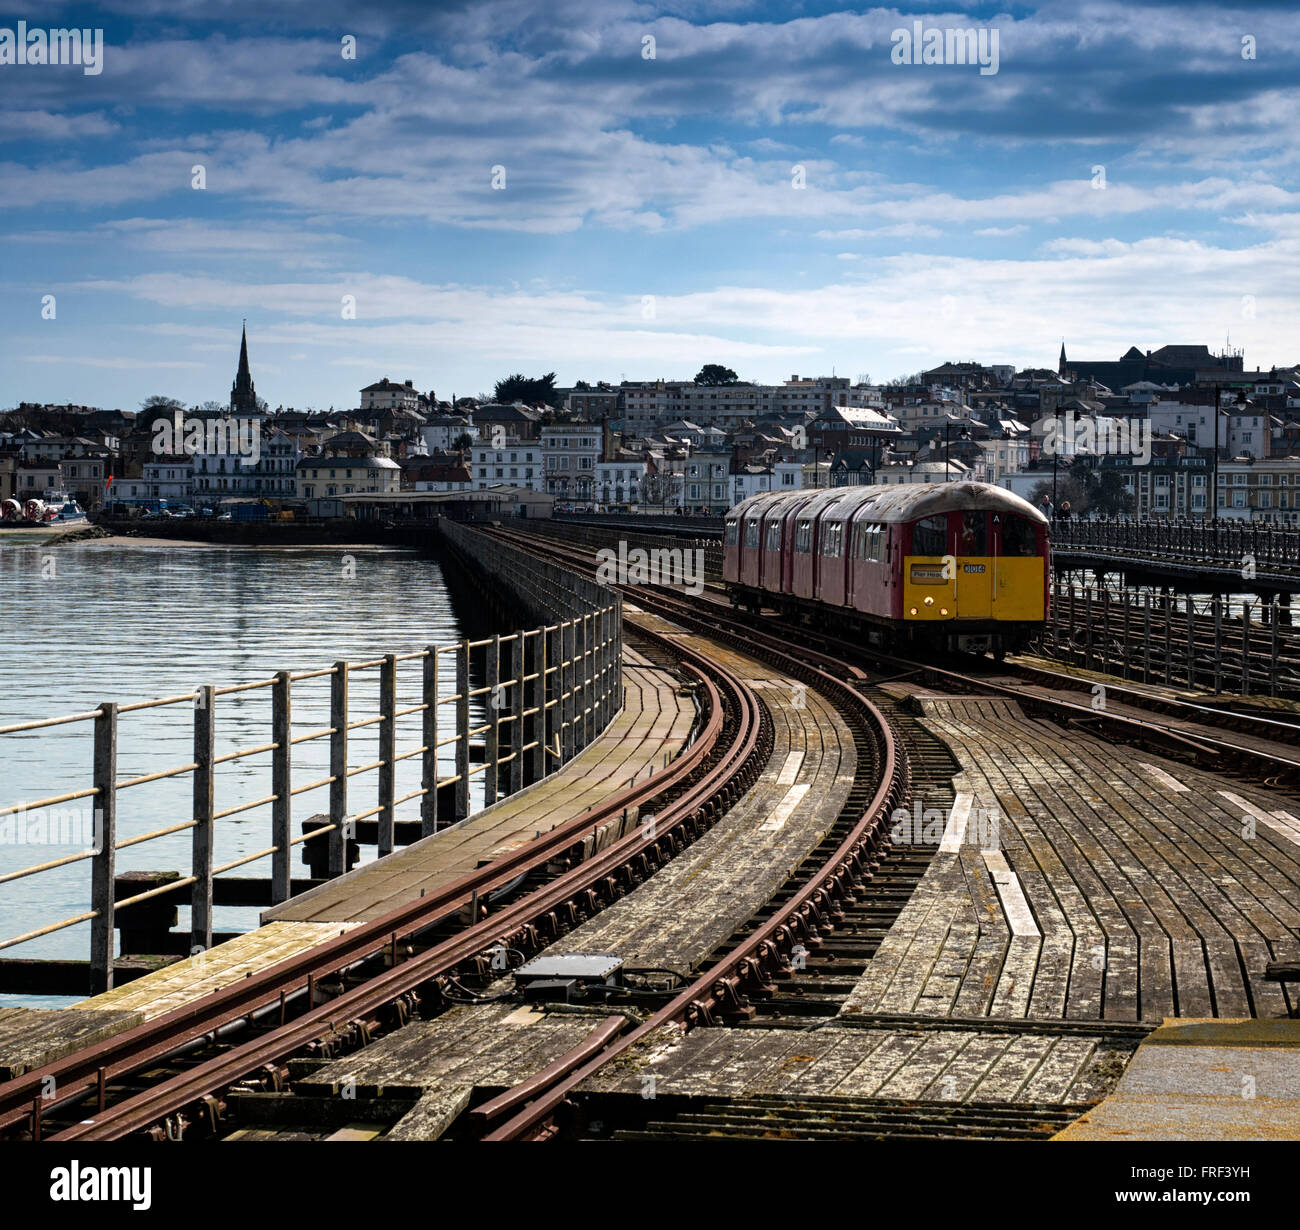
611,190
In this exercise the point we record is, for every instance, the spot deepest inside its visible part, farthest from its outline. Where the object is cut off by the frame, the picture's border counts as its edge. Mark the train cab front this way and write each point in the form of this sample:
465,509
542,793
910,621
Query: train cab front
974,580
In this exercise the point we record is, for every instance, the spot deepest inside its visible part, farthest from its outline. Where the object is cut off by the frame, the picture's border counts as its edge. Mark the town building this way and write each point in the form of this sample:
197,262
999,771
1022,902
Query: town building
334,475
570,452
169,477
387,394
497,459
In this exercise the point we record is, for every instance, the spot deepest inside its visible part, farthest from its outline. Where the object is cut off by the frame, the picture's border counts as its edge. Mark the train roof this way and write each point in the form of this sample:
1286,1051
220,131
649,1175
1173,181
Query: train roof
898,502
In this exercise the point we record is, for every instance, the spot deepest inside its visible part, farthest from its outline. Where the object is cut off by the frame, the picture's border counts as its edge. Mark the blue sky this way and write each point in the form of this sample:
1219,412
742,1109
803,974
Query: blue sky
945,214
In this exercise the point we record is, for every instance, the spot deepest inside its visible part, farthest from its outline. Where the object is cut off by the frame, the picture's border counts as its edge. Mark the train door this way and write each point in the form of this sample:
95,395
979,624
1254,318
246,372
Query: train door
975,563
750,548
1018,568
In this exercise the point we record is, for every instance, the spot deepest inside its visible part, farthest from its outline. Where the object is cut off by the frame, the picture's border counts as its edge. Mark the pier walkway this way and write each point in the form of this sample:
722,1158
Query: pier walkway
671,921
1081,895
653,726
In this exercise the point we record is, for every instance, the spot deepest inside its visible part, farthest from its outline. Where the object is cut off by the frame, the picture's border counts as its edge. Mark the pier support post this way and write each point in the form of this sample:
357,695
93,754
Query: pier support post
568,642
429,758
591,680
462,730
281,787
492,736
1216,604
517,711
539,705
1273,647
1146,637
103,861
338,836
1245,648
205,726
1087,616
387,752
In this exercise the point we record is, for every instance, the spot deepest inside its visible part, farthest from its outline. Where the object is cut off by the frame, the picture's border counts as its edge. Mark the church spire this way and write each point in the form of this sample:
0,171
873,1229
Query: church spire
243,396
1060,367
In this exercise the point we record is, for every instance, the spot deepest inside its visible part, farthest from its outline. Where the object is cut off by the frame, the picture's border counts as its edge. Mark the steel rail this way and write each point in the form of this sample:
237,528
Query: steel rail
156,1039
347,1016
761,953
77,1074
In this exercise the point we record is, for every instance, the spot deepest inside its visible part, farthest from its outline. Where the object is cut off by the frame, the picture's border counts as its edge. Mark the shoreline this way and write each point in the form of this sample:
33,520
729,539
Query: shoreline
52,536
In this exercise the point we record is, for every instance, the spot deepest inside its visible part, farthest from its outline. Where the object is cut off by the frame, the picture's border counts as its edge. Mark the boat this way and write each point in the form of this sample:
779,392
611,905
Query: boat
56,509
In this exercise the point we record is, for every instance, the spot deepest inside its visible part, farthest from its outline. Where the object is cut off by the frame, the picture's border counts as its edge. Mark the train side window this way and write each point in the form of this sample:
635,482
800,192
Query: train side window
751,533
832,537
1019,536
803,537
878,534
774,536
733,533
930,536
862,541
869,542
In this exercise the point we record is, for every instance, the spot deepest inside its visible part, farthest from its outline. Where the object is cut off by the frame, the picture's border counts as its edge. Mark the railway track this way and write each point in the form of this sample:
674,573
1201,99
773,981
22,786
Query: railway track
817,989
158,1091
1259,748
796,997
810,906
837,905
166,1078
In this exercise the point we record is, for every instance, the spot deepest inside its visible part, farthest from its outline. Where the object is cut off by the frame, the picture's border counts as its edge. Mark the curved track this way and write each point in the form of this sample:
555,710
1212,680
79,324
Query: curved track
689,794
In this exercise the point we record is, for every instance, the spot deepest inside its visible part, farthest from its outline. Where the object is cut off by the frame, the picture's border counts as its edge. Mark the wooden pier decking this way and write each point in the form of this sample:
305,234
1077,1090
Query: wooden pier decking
1123,886
690,906
654,725
1077,883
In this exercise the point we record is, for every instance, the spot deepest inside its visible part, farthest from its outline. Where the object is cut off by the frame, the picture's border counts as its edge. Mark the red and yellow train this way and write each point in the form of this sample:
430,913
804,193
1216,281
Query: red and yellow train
945,565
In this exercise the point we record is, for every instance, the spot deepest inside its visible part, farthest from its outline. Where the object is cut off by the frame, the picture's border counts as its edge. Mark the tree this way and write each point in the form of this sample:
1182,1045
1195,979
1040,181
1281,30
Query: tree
714,374
156,401
539,391
1111,496
658,488
1068,488
463,441
1105,491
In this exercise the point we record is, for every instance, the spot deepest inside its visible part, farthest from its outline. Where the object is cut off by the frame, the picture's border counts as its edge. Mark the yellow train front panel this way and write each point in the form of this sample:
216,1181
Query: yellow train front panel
938,588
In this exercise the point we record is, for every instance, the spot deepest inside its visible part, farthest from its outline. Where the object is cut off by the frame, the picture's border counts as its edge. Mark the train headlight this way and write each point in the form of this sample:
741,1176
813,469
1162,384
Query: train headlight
929,601
914,610
943,610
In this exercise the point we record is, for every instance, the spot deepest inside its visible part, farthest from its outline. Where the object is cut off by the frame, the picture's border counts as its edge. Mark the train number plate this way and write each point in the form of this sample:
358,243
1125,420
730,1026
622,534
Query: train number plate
972,568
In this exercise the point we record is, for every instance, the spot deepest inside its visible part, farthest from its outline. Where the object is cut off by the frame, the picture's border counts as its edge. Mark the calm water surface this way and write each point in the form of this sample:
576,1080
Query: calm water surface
87,623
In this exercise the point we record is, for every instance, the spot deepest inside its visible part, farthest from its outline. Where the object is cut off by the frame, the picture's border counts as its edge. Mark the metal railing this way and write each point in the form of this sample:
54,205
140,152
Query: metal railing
1201,642
546,692
1220,544
598,534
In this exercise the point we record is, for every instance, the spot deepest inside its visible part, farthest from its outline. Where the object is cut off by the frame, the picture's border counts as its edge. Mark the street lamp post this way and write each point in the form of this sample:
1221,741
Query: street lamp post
947,447
1214,462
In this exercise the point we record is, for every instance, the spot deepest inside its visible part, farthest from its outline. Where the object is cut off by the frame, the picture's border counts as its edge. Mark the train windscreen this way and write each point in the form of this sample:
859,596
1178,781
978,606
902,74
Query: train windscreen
930,536
1019,536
